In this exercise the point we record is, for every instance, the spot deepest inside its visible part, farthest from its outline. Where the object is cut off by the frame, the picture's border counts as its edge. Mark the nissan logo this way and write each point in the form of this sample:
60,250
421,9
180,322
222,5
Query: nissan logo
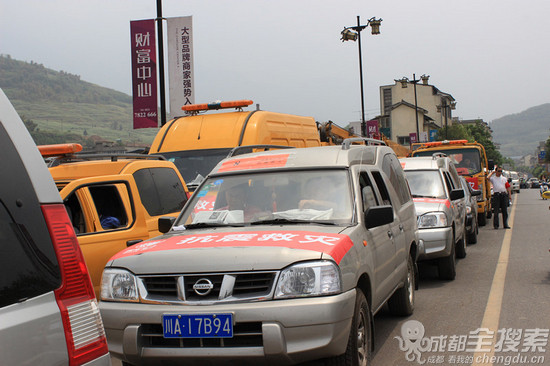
203,287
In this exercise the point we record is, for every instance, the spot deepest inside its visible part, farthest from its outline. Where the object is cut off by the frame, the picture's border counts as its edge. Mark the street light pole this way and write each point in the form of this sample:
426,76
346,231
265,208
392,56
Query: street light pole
348,35
363,123
416,108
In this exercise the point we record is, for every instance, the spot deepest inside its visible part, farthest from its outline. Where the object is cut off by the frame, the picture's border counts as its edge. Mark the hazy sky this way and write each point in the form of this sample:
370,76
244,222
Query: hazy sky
490,55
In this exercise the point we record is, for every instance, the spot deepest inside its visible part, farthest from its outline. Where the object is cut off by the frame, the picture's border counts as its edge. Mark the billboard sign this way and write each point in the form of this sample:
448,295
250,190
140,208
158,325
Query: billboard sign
144,73
180,63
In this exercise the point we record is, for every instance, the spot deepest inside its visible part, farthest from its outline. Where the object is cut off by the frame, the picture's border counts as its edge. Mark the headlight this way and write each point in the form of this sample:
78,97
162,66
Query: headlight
118,285
432,220
309,279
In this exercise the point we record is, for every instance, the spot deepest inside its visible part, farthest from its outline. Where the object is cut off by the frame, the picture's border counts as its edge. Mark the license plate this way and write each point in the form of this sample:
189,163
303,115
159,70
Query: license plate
197,325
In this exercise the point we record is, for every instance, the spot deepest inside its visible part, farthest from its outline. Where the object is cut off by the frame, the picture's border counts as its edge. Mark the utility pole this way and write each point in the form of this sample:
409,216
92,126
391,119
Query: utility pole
161,64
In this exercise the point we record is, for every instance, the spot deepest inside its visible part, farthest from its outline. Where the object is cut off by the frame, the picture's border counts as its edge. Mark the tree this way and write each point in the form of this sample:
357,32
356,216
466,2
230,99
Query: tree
454,132
482,135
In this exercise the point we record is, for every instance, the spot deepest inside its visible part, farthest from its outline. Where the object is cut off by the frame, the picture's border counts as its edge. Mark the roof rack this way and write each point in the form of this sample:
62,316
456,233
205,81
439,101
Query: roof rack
245,149
71,158
368,141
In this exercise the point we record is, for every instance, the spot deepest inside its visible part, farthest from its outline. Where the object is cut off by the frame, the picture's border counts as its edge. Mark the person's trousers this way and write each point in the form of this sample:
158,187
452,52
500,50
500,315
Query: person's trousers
500,204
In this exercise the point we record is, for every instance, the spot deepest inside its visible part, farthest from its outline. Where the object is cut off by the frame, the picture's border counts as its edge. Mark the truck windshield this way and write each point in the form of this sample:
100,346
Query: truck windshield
425,183
194,165
294,197
467,160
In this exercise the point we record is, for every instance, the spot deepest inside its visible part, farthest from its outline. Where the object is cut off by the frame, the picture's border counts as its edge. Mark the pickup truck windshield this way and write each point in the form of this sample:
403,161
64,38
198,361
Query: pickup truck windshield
425,183
297,197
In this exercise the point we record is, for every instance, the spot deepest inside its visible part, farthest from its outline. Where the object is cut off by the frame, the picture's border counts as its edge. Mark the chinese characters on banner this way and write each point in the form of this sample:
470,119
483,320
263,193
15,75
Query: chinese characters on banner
372,129
144,73
180,63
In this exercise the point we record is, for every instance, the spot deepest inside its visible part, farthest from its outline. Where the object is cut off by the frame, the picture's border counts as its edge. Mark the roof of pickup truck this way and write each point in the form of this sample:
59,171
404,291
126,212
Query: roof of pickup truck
325,156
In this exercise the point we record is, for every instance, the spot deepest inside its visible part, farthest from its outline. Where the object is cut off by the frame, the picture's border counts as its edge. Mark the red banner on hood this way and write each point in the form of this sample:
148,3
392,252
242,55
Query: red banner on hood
335,245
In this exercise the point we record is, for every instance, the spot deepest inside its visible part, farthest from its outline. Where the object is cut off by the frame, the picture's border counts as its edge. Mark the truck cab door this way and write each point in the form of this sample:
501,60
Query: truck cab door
380,240
104,213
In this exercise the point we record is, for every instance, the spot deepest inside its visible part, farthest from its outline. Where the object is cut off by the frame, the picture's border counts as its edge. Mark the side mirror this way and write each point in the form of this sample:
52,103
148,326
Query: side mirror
490,164
165,223
457,194
476,192
378,216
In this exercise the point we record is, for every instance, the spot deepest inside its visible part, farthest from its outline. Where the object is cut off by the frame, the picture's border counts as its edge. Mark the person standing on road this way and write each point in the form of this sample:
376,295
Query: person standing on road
502,195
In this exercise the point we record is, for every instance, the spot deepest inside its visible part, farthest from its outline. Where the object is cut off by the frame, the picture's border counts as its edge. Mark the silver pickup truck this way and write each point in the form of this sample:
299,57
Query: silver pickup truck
279,257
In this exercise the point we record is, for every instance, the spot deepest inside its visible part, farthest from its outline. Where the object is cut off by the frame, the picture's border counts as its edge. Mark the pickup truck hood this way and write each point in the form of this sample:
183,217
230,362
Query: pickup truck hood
245,249
423,205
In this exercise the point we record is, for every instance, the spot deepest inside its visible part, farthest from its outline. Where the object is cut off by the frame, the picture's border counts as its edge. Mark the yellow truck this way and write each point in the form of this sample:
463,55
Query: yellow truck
113,200
471,162
197,142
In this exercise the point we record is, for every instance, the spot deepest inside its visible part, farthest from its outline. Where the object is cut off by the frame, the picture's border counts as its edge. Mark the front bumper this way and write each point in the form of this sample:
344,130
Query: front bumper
280,332
435,243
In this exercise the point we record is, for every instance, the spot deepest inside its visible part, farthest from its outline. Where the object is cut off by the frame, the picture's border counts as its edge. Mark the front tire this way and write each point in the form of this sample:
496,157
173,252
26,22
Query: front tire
402,301
472,237
447,266
461,247
482,218
358,351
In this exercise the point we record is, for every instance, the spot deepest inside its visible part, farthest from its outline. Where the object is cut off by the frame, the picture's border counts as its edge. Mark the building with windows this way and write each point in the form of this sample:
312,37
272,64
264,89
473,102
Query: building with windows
407,101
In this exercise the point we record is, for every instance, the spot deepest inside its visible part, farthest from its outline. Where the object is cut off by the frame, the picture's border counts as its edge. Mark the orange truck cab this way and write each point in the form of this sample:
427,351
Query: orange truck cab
197,142
113,200
471,162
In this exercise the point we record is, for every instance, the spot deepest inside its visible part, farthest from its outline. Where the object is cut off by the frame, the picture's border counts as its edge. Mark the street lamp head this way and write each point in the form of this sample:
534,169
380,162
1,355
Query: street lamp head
348,35
375,25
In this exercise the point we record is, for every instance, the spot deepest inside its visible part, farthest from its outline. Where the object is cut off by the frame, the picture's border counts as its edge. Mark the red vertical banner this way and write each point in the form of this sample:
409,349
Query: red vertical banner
144,73
372,129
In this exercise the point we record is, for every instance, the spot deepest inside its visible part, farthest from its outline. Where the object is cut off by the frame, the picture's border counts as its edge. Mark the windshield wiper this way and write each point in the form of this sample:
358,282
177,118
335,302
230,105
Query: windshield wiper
211,224
290,221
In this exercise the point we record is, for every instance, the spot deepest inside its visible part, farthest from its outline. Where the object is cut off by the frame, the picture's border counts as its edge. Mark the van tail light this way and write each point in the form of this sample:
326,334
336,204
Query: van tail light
82,322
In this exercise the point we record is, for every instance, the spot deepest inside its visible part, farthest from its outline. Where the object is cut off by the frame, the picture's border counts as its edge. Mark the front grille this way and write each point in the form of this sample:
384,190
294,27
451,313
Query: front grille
191,295
228,287
162,286
244,335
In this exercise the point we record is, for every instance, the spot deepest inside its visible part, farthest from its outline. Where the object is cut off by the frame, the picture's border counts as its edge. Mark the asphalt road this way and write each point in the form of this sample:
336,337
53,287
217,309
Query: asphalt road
502,285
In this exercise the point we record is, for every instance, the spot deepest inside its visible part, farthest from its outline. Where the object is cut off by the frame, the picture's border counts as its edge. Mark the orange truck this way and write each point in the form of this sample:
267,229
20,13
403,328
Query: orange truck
471,162
113,200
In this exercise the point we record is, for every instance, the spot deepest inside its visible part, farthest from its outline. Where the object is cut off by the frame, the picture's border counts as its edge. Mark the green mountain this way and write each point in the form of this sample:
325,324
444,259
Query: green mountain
59,107
519,134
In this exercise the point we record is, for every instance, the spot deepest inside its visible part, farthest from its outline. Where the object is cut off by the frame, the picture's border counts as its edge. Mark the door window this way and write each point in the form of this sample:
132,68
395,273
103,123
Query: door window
110,209
160,190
